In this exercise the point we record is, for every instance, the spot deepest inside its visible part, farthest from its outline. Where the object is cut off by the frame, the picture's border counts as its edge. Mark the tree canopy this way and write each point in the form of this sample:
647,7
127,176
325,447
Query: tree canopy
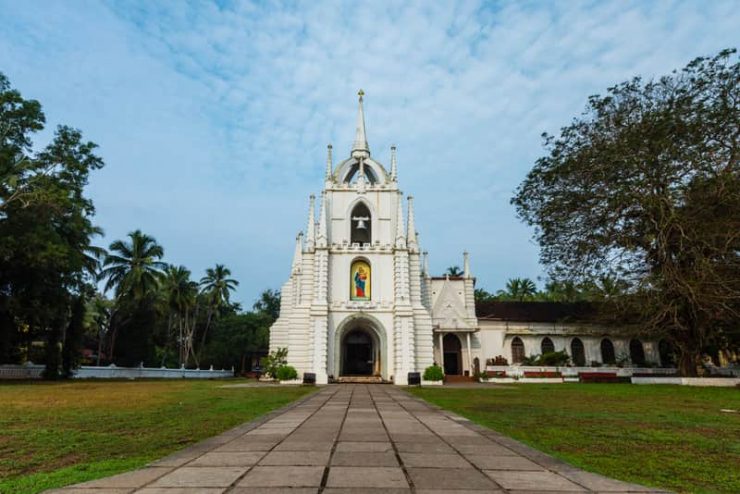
644,189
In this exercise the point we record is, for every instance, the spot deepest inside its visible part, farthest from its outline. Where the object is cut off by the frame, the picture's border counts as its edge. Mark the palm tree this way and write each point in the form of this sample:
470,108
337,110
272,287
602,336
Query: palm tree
133,267
454,271
217,287
181,297
519,289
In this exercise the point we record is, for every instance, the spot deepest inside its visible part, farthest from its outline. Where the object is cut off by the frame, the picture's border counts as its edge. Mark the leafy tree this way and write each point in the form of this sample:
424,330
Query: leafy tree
645,185
46,231
269,304
236,339
454,271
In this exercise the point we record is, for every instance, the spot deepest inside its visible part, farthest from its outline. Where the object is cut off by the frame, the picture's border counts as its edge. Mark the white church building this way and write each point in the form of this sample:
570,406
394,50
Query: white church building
360,300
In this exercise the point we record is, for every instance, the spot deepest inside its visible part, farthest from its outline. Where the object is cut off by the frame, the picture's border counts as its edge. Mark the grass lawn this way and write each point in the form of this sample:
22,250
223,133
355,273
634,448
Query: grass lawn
674,437
55,434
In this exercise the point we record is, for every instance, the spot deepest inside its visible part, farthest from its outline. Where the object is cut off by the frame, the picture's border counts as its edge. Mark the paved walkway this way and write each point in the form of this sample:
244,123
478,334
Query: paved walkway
373,439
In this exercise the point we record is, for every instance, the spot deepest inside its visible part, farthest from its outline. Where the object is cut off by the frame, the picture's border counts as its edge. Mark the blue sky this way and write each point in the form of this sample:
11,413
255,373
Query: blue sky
213,118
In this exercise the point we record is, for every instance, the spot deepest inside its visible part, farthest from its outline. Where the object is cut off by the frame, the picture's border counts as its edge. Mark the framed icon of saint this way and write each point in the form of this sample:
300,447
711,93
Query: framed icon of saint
360,274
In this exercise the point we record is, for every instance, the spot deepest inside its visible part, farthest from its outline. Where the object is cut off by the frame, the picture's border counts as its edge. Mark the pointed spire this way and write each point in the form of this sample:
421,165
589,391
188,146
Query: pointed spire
466,265
400,237
329,164
394,165
360,147
322,236
298,253
310,233
411,228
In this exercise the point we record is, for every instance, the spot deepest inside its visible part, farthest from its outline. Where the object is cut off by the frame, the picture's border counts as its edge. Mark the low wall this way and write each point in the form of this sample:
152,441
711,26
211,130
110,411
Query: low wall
34,371
517,371
728,382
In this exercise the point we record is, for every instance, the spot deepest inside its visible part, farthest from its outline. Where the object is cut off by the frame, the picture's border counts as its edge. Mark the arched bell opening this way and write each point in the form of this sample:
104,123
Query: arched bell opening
361,221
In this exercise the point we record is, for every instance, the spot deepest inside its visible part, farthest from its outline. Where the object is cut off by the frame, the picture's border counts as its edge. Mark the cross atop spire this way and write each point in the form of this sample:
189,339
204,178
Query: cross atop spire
360,147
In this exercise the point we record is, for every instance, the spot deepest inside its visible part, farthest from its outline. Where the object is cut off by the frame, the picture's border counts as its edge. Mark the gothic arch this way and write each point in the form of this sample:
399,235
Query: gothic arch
607,352
517,350
577,352
372,224
547,346
374,328
637,352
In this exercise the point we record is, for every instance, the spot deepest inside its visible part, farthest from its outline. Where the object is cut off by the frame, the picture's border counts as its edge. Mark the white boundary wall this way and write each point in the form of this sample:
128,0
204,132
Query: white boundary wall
728,382
34,371
517,371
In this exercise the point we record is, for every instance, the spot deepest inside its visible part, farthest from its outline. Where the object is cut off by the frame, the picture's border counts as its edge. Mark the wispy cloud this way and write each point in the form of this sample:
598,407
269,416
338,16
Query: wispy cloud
213,117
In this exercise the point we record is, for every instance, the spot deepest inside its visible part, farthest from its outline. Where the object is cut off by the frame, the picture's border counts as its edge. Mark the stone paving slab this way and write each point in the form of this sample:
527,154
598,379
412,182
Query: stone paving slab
357,439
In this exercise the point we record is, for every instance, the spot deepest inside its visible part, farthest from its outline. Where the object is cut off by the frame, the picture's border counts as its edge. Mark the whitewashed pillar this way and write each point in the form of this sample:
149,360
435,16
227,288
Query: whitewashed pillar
470,354
441,351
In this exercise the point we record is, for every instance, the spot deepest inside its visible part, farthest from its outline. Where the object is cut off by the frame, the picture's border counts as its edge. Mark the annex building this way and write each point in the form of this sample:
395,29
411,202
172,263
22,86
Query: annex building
360,300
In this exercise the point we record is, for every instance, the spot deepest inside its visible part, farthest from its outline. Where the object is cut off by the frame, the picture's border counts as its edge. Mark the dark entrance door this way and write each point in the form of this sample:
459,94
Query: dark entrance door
452,354
358,354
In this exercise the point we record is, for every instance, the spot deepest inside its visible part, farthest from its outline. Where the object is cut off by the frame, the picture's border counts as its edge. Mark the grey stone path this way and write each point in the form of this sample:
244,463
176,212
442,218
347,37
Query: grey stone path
374,439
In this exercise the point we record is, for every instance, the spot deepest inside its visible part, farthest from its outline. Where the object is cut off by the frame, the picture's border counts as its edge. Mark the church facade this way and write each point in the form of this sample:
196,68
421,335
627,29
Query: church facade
360,300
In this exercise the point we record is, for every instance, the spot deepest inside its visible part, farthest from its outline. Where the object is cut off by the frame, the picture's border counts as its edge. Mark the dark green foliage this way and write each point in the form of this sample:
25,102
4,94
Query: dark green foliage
286,373
269,304
272,362
46,255
551,359
236,339
434,373
454,271
644,188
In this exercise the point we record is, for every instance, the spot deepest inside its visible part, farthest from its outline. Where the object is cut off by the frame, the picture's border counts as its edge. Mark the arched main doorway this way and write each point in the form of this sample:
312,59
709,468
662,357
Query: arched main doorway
452,354
360,353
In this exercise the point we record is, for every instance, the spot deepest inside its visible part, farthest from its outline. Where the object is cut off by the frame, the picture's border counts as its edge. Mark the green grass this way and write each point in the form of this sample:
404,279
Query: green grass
674,437
55,434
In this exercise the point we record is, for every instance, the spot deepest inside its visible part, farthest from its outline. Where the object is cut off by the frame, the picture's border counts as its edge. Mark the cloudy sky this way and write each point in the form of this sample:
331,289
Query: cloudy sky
213,118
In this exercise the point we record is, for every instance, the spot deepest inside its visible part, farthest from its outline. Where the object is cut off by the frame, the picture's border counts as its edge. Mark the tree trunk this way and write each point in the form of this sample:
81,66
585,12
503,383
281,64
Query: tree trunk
687,360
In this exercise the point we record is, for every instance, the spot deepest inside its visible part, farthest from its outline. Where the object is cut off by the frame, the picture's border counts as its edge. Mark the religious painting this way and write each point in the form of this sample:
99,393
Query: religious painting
360,280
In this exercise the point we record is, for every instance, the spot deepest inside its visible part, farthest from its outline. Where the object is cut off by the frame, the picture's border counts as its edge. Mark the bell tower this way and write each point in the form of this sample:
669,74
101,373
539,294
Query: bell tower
355,306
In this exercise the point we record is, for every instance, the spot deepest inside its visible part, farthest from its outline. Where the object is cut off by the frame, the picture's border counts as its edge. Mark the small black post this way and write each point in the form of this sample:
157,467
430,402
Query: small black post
414,379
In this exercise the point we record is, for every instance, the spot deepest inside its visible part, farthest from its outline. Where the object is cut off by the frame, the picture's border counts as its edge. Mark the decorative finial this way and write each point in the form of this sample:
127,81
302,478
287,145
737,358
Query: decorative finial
329,164
411,225
394,165
360,146
466,264
310,227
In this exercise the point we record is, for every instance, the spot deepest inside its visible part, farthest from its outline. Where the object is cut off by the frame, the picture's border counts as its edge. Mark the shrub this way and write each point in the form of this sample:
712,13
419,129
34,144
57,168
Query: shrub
557,359
434,373
271,363
286,373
